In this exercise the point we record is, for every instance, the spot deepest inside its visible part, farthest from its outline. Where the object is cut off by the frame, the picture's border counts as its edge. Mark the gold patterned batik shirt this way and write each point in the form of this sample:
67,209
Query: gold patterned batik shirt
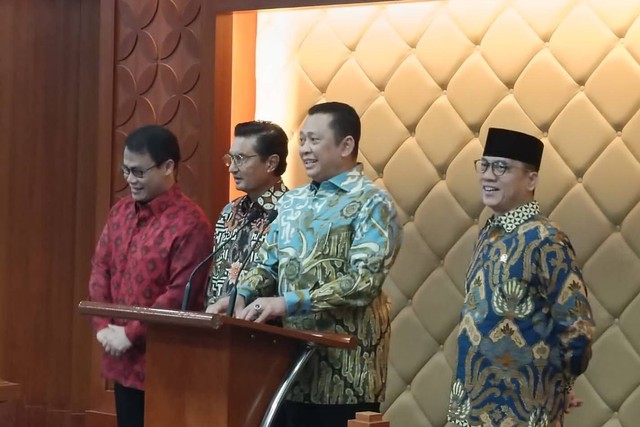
526,325
328,253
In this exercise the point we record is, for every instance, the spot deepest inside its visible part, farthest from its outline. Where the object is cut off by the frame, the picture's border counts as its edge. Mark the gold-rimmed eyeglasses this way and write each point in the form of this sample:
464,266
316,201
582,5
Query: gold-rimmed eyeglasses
238,159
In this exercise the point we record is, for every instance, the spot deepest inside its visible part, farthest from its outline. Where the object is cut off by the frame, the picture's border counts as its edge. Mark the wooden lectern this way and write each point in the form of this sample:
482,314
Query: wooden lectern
216,371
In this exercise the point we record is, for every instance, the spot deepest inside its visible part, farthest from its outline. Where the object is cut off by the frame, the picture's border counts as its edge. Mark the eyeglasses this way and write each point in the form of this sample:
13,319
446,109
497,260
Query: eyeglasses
238,159
138,173
498,167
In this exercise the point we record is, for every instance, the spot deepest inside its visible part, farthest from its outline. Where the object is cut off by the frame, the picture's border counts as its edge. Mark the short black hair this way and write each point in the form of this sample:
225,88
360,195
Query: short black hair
344,121
158,141
270,140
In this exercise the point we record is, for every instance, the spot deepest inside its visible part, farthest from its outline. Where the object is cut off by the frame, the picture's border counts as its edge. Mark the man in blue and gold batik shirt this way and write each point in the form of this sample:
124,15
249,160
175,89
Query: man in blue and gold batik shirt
526,325
321,268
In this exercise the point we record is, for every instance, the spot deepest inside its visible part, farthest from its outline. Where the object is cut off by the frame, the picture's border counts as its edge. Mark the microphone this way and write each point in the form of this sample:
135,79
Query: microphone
234,287
253,215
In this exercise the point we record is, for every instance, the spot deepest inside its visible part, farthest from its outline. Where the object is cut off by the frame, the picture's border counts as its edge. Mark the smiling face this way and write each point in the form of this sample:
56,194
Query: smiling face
322,155
505,192
156,179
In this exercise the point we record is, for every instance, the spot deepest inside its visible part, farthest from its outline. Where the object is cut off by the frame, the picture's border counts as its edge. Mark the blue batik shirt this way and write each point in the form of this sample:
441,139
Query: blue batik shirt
328,253
526,325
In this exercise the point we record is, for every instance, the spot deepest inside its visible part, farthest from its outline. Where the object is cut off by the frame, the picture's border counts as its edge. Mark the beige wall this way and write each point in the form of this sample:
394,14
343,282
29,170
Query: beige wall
428,79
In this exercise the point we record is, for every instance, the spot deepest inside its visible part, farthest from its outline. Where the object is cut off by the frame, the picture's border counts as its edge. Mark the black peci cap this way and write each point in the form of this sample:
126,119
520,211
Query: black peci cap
514,145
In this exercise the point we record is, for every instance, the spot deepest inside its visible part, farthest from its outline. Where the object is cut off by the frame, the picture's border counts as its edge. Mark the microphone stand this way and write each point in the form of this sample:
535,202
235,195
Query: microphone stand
233,295
253,215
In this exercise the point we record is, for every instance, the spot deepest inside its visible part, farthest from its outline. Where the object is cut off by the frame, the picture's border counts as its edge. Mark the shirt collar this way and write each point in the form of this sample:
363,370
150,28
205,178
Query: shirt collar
514,218
267,200
345,181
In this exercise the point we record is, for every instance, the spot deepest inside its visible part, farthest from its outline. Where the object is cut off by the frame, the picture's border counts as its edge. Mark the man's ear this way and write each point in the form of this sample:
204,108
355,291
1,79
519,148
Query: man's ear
532,182
348,145
272,162
168,167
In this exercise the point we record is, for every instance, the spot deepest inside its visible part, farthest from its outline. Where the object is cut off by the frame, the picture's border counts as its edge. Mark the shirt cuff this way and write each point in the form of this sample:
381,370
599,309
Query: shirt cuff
246,292
99,323
298,302
135,332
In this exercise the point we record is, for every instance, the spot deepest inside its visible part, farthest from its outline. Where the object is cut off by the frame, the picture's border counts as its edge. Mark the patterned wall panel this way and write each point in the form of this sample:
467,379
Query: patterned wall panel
157,72
428,79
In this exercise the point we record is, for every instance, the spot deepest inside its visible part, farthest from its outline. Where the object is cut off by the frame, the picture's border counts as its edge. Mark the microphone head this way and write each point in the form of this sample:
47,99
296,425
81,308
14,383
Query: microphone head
272,216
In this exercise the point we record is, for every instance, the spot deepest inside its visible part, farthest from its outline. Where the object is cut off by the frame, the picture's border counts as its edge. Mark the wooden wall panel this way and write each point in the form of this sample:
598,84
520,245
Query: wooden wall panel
99,398
41,164
8,413
157,76
86,210
48,121
6,40
100,419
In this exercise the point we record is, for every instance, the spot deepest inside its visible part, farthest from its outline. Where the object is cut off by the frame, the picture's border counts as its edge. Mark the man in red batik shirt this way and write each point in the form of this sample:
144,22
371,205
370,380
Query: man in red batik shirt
152,241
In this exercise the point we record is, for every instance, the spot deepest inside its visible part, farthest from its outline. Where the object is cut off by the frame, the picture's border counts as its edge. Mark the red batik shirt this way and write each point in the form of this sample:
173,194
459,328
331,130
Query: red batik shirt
144,257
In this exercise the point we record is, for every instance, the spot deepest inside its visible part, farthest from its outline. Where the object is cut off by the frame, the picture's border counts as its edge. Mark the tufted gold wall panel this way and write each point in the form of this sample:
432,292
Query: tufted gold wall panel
428,79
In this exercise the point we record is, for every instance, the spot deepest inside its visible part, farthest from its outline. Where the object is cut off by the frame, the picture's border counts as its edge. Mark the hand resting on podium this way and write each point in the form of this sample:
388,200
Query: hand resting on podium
221,306
261,310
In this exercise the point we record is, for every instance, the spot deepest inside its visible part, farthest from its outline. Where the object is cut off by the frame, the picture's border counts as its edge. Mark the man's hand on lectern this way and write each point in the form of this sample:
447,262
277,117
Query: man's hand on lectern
263,309
221,306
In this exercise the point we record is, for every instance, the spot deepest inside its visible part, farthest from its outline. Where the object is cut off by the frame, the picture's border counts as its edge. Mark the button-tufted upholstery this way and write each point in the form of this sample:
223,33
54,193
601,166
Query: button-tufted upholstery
428,79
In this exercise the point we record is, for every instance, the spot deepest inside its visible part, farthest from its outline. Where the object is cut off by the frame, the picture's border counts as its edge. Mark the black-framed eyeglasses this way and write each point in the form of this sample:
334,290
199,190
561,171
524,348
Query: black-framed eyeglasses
498,167
238,159
138,173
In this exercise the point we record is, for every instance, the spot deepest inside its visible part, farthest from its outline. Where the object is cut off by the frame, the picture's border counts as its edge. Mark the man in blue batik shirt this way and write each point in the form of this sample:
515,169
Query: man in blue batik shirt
321,268
526,324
